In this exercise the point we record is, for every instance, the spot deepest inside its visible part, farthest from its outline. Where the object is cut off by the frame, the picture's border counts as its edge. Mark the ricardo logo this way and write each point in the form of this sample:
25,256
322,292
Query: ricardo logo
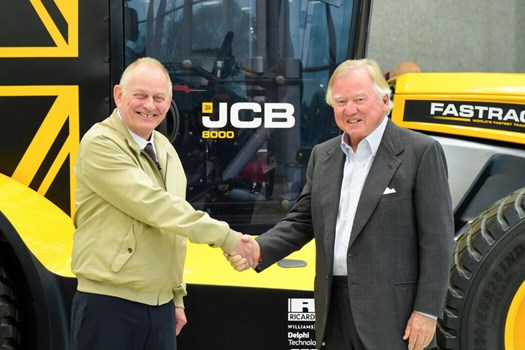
301,310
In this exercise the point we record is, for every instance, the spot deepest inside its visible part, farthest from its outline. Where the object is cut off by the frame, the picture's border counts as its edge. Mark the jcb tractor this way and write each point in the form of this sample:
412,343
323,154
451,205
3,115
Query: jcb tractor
249,78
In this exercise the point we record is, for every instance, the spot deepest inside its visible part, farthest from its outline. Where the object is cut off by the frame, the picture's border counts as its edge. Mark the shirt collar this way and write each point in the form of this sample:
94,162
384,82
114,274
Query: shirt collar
373,140
139,140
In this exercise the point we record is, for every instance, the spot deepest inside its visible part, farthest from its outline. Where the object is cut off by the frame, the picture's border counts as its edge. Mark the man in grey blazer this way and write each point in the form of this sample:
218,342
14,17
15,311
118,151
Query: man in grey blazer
378,204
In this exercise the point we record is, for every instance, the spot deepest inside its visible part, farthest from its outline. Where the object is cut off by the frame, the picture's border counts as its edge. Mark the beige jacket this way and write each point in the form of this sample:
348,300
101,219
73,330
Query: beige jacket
132,221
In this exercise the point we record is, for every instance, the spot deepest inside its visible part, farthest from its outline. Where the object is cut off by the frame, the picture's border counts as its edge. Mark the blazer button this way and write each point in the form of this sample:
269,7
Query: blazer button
130,250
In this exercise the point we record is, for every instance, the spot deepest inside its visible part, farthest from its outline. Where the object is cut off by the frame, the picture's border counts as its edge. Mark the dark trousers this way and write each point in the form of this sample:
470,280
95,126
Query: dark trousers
341,333
100,322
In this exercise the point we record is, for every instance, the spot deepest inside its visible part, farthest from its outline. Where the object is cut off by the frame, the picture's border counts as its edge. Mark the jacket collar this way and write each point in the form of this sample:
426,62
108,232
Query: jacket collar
114,122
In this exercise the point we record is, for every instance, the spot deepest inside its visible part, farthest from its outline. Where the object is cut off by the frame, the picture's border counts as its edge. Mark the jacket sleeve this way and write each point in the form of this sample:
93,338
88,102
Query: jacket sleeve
178,294
435,228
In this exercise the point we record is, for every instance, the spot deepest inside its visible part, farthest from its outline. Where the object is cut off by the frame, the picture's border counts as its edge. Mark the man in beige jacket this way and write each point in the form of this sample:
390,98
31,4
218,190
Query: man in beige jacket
132,222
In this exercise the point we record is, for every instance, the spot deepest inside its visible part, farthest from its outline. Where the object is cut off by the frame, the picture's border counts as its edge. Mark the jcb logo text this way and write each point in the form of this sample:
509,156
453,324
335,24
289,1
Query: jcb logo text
276,115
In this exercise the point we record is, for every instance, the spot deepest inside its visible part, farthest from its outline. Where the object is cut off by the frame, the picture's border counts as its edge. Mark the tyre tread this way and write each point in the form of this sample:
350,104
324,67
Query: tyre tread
470,250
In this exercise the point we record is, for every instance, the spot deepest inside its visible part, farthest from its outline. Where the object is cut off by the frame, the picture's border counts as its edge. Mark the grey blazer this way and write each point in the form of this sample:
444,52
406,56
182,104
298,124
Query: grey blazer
401,242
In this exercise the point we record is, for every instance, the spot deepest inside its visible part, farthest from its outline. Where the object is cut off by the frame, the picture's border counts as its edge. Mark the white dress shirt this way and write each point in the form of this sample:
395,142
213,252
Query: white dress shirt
356,168
139,140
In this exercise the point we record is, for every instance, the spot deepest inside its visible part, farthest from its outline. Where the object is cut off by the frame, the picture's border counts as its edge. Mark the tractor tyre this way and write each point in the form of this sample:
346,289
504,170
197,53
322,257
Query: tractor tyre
9,316
485,302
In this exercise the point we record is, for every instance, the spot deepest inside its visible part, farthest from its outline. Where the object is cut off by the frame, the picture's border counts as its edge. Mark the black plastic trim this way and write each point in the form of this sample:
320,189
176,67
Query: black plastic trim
51,294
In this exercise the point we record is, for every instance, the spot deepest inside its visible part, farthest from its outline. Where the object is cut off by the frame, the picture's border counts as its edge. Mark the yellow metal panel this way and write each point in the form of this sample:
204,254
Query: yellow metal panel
504,92
500,84
205,265
45,229
515,322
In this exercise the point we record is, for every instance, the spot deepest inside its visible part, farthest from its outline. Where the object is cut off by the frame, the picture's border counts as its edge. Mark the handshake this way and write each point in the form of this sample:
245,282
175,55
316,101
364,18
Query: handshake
245,255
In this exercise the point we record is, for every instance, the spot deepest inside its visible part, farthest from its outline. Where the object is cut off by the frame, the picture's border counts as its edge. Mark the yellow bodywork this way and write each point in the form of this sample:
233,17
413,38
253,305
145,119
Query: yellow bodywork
501,89
48,233
515,323
45,229
205,265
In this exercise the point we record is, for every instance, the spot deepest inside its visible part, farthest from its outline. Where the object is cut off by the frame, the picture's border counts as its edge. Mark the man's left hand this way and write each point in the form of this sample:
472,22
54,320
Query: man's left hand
420,331
180,319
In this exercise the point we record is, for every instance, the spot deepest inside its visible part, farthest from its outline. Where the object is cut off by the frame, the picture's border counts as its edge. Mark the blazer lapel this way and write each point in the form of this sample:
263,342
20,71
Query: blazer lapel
383,168
332,176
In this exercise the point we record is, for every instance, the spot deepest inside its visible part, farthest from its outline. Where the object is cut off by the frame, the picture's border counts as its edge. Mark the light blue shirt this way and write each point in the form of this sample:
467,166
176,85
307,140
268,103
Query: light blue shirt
356,168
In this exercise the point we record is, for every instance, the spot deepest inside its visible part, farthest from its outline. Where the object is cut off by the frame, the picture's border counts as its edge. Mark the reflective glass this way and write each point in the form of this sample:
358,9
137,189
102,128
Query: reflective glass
249,80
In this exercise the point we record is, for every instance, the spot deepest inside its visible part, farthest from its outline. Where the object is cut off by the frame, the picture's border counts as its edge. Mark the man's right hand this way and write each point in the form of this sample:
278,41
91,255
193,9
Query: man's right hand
245,255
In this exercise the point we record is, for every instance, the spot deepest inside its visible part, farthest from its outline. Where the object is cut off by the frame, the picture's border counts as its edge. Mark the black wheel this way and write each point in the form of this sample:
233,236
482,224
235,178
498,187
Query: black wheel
9,316
485,304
